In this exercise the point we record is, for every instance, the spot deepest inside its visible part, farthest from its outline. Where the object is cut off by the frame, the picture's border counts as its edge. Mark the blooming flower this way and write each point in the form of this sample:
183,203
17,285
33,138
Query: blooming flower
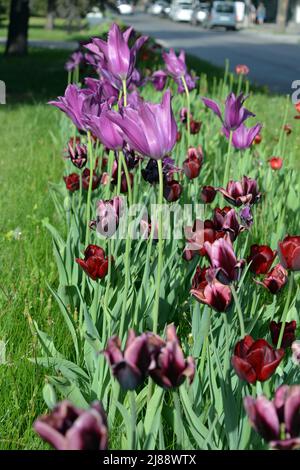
108,215
223,259
235,113
210,291
277,421
168,367
72,182
149,129
239,193
197,235
73,104
243,137
288,334
275,280
70,428
175,66
74,61
159,79
77,154
208,194
94,264
242,69
104,129
261,258
86,179
289,252
275,163
172,190
129,367
193,163
246,216
255,360
226,220
115,55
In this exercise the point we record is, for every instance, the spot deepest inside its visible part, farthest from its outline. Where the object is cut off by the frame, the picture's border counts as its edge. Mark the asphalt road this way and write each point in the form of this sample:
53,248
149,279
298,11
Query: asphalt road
273,60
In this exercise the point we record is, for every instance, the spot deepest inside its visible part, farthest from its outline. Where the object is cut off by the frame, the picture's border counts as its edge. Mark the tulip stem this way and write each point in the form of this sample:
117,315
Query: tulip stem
239,310
119,175
286,309
124,92
227,167
132,445
188,102
160,248
179,428
128,181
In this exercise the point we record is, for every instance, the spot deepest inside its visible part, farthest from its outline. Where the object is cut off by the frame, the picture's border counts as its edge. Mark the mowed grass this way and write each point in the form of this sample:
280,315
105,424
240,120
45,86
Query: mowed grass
30,157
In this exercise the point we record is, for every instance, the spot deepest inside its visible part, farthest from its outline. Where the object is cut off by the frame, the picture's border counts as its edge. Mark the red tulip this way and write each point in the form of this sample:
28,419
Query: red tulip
275,163
192,167
210,291
288,335
208,194
94,264
86,179
257,139
289,252
261,258
255,360
72,182
275,280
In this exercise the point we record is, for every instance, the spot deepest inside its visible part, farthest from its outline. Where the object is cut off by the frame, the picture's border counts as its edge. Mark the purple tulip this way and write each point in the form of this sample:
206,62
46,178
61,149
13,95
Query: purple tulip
74,61
243,137
277,421
191,82
70,428
73,104
130,367
159,80
103,86
103,128
246,216
235,113
115,56
168,367
108,215
241,193
149,129
223,259
176,66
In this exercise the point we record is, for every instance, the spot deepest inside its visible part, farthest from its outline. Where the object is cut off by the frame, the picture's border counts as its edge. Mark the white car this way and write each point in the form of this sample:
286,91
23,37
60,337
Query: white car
125,8
181,11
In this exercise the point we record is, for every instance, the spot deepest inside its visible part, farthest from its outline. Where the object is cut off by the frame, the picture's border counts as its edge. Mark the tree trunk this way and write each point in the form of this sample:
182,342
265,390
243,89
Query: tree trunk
282,12
17,40
50,14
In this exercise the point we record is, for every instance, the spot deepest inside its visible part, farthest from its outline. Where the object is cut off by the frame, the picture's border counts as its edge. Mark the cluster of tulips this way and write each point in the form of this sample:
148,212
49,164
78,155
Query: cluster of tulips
119,140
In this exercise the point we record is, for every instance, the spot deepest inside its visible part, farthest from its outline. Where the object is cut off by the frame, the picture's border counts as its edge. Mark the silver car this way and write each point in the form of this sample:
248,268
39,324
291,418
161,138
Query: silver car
222,14
181,11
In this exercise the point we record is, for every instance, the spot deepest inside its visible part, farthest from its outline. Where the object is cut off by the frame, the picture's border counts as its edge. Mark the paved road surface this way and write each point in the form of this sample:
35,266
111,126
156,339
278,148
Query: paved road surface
273,60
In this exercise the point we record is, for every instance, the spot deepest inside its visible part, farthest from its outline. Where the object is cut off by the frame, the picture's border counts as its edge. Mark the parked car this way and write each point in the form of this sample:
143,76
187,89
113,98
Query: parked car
181,11
124,7
159,7
222,14
94,17
200,12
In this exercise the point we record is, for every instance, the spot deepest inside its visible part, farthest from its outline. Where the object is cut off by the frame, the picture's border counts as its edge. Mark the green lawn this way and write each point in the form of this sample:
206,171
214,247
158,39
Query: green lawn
30,157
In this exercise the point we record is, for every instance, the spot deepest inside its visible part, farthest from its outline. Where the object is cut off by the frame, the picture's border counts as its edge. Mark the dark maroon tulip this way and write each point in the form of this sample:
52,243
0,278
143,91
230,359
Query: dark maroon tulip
168,367
288,335
277,421
130,367
208,194
77,154
193,163
255,360
226,220
195,126
196,152
240,193
224,261
275,280
86,180
94,264
210,291
172,190
150,173
183,115
72,182
124,186
197,235
70,428
108,215
289,252
257,139
261,258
